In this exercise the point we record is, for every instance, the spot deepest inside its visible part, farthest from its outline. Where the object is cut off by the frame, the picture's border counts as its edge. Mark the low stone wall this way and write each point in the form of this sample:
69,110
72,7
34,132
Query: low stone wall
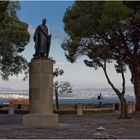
85,106
82,109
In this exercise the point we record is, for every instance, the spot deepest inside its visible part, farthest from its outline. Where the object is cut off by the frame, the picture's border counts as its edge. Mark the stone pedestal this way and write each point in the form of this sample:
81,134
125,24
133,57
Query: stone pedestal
41,95
79,110
134,107
130,107
11,110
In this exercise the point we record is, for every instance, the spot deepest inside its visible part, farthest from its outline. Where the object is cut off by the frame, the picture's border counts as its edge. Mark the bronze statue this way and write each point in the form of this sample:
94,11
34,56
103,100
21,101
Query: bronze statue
42,41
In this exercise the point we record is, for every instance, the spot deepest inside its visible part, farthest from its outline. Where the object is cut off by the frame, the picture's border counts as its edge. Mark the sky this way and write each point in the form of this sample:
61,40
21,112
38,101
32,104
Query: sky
80,76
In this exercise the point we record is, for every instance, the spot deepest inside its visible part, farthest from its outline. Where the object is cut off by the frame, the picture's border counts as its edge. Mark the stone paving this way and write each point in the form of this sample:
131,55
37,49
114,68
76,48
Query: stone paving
73,127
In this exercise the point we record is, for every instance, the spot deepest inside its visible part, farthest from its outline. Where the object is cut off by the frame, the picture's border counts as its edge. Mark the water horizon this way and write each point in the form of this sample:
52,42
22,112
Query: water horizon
88,95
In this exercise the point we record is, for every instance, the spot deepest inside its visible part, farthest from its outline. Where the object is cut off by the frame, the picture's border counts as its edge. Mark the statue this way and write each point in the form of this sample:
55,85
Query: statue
42,41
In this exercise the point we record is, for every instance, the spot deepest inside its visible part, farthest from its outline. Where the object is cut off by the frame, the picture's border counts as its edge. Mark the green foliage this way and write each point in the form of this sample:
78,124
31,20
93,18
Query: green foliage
103,31
58,72
14,36
12,8
3,8
62,87
65,87
13,66
135,5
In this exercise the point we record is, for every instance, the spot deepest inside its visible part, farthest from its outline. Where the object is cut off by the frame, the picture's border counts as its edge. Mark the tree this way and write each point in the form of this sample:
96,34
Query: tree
99,59
135,52
102,31
61,88
14,36
57,71
3,8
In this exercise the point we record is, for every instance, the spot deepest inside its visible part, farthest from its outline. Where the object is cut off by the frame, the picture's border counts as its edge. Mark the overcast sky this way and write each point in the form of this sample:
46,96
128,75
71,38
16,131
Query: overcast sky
80,76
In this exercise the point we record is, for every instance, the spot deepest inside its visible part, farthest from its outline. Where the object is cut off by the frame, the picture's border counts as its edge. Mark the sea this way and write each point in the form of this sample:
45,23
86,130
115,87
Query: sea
87,95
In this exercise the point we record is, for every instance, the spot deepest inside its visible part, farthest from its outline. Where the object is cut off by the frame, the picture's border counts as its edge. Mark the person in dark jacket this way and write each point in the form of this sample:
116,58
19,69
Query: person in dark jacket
100,100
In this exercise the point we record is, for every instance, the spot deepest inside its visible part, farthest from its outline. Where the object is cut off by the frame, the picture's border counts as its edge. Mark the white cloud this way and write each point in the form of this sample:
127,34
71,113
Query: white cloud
15,84
61,64
56,34
31,30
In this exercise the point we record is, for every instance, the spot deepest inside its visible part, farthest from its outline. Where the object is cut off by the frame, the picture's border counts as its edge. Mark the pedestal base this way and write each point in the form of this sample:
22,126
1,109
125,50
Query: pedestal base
40,120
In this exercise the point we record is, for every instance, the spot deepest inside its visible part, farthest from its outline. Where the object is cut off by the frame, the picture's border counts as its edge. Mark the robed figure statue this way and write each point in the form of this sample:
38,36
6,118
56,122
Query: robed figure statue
42,41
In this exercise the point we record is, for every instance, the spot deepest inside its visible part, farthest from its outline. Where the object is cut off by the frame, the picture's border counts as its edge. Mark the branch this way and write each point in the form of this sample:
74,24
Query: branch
135,48
129,58
108,79
127,51
123,80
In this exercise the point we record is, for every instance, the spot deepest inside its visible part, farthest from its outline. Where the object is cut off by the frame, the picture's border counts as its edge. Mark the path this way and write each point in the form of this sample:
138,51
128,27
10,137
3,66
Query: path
72,127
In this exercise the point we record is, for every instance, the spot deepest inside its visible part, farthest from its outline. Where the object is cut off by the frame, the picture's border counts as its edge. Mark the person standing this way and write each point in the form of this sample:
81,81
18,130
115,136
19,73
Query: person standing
100,100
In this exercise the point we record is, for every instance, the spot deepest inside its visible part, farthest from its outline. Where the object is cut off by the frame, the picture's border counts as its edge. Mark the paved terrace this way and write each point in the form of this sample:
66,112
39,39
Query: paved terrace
73,127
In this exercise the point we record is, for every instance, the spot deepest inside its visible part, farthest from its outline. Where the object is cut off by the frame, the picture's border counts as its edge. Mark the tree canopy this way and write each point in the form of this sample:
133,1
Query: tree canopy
14,36
95,24
104,31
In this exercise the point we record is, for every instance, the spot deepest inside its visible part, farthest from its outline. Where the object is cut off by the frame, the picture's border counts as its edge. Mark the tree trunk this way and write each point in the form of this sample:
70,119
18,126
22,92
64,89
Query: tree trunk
124,108
56,98
137,88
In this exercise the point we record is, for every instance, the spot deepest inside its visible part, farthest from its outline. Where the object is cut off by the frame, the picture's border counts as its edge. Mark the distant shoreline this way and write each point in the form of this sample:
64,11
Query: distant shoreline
94,100
88,95
77,101
74,100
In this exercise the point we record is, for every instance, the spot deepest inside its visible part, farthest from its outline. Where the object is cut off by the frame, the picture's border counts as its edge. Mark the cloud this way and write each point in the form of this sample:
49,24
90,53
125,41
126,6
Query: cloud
15,83
61,64
56,34
31,30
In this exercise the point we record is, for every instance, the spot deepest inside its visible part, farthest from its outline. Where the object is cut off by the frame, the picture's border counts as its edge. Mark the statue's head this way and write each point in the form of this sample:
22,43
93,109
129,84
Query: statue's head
44,21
